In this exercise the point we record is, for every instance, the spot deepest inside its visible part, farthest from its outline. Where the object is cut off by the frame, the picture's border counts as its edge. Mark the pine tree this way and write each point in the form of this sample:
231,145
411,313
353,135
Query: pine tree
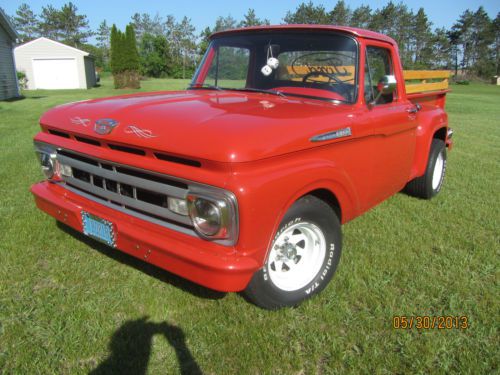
308,13
341,14
422,36
50,23
74,27
251,19
361,17
103,41
132,56
26,23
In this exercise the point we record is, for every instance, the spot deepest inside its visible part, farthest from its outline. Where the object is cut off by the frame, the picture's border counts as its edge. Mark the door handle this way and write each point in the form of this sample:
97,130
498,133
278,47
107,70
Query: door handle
413,110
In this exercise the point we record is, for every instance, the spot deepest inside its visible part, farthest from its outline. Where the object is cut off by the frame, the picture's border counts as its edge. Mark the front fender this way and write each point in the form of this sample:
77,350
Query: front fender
266,189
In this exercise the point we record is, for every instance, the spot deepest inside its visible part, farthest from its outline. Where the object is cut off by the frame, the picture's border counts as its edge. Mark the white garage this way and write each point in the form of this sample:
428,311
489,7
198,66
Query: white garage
51,65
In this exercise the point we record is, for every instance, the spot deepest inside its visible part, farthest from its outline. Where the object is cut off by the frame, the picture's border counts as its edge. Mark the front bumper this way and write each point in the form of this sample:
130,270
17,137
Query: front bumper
203,262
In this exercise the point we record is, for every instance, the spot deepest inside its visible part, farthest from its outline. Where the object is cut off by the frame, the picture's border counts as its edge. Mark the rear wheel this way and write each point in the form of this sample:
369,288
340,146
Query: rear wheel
428,185
303,256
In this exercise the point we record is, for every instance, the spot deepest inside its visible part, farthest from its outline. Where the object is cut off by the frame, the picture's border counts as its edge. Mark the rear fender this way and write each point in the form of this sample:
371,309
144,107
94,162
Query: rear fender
430,121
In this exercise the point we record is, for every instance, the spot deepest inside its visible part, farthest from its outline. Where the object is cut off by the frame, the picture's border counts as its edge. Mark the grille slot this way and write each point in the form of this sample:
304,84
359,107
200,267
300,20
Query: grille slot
59,134
87,140
134,191
130,150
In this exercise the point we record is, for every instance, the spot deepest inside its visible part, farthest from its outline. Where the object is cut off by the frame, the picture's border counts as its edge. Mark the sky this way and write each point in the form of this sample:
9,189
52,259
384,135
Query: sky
442,13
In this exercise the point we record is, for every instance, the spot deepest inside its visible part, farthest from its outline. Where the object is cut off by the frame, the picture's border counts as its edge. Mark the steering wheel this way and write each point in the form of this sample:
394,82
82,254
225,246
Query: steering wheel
317,73
344,88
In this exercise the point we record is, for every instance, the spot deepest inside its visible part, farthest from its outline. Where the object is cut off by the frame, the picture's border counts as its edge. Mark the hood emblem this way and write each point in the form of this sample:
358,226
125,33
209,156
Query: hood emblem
141,133
105,126
80,121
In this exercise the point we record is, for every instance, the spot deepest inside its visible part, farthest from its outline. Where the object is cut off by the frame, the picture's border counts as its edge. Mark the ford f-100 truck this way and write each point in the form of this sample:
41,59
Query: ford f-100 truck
241,182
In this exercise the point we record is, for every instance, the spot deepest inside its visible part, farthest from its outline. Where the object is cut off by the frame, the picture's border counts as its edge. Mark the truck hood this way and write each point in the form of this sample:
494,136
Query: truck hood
223,126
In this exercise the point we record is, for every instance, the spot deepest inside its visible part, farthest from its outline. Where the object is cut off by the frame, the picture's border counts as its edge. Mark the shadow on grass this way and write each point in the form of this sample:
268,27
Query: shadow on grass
22,97
149,269
131,348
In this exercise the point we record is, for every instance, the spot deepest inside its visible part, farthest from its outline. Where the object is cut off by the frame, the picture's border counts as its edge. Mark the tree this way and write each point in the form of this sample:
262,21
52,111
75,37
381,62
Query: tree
204,41
308,13
26,23
483,38
496,31
124,58
441,50
341,14
145,24
132,55
462,29
74,27
250,19
156,60
225,23
103,42
65,24
50,25
361,17
188,45
422,37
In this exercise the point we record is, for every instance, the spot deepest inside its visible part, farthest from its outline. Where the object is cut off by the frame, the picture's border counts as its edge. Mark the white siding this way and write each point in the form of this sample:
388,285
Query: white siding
43,48
8,78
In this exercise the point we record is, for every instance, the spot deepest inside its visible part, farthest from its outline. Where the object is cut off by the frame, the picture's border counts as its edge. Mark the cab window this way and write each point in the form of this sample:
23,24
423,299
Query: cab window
378,64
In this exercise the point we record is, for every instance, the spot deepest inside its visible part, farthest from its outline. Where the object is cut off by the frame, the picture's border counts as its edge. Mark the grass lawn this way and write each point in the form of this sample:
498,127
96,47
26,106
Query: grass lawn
70,305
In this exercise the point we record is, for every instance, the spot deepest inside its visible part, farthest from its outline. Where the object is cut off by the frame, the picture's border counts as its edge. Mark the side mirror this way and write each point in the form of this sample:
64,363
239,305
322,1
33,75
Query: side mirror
385,86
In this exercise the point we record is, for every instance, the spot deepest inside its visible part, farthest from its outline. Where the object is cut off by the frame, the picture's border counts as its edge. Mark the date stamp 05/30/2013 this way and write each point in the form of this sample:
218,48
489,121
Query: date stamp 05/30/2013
430,322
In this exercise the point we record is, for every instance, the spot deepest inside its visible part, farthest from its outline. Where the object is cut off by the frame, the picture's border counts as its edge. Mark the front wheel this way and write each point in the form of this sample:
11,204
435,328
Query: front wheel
303,256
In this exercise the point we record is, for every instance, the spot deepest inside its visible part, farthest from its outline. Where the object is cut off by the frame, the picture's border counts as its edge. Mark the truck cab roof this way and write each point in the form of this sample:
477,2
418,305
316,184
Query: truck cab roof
344,29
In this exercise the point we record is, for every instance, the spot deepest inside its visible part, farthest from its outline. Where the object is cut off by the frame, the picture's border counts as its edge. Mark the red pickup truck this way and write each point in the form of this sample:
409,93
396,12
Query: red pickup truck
242,181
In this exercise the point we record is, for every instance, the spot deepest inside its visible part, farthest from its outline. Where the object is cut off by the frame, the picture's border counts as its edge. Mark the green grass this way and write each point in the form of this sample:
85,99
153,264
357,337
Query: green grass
69,305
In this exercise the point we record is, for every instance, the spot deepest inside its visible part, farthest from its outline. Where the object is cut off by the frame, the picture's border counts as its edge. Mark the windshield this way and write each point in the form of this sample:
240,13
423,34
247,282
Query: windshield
321,66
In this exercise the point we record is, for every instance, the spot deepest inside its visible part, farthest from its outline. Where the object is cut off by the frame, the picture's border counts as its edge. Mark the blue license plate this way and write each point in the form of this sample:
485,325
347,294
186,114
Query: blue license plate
98,228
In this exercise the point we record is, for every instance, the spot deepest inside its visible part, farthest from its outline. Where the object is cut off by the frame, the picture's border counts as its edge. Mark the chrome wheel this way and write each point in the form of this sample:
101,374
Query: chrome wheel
296,256
438,171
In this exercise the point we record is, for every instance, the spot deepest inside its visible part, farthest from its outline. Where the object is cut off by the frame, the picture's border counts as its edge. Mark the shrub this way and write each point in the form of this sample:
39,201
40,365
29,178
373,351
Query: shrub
22,79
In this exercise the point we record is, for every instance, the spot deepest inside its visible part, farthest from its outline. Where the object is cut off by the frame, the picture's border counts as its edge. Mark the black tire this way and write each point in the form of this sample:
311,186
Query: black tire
423,187
312,216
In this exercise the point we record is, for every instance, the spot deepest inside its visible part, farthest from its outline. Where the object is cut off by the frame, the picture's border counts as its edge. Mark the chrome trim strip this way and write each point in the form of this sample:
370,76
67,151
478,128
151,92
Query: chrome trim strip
340,133
157,187
138,215
128,201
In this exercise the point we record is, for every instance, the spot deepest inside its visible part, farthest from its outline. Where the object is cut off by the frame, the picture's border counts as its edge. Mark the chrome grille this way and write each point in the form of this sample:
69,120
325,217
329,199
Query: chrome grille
136,192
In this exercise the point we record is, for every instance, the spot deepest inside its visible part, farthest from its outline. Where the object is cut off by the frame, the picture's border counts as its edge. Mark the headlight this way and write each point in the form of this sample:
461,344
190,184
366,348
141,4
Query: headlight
206,216
48,160
214,214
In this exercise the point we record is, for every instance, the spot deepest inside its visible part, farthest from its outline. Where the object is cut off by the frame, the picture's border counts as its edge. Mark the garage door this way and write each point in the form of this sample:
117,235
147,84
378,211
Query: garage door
55,73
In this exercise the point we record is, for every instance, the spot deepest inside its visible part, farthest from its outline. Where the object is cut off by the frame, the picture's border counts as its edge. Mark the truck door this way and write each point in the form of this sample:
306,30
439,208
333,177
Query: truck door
393,127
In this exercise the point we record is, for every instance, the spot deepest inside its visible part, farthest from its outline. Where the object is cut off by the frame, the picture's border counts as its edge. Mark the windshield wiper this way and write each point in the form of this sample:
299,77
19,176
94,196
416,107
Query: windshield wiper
272,92
204,86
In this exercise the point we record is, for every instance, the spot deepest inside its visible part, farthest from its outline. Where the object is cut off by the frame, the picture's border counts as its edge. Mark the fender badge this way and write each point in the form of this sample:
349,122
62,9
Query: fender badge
345,132
105,126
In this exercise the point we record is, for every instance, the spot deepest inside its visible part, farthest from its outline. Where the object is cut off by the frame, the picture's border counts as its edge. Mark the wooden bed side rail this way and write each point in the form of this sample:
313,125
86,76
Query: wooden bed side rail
426,80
